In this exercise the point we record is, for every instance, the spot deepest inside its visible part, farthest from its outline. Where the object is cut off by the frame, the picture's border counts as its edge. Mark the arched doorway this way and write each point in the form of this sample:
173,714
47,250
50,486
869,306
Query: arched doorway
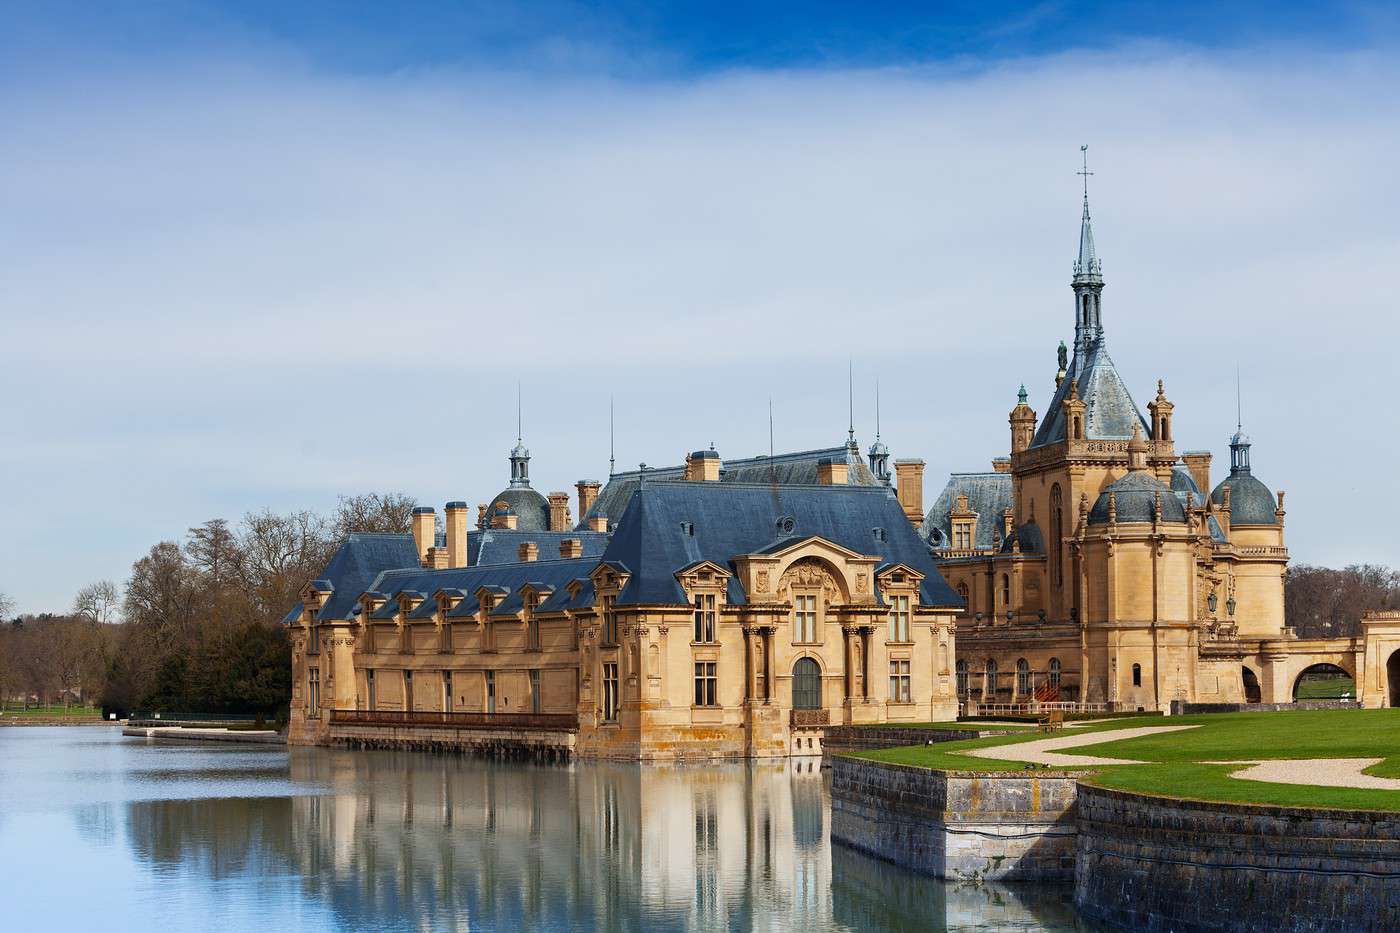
806,684
1252,693
1329,682
1392,670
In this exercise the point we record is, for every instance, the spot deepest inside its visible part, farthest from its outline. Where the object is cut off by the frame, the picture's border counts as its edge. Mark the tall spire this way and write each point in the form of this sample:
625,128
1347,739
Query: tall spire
1239,442
1088,276
612,440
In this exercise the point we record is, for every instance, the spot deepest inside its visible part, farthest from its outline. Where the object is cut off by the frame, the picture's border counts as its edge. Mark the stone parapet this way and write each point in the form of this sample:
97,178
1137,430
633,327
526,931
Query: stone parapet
1154,863
960,826
839,740
1180,708
496,743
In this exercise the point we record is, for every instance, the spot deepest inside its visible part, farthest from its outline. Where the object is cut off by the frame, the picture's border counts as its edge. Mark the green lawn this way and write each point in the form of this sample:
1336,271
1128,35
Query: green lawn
52,712
1175,758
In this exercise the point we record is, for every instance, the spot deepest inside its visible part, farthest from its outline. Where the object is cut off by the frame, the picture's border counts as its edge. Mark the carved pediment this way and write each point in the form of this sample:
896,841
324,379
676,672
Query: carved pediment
811,574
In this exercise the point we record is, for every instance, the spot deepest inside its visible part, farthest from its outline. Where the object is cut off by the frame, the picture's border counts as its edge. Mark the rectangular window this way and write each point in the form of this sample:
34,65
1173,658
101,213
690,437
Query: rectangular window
899,681
705,618
706,684
408,690
490,691
609,620
534,691
313,692
447,691
899,618
610,698
804,618
369,687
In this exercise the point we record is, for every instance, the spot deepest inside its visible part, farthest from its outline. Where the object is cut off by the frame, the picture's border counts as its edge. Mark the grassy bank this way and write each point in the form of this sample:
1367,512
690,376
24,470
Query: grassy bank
1178,764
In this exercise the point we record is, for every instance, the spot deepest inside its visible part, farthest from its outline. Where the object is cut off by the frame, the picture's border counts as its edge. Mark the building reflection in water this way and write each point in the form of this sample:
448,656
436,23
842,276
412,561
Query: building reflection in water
394,839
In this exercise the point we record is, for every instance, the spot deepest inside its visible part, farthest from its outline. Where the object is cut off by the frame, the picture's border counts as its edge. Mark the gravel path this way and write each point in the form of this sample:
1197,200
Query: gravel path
1045,751
1320,772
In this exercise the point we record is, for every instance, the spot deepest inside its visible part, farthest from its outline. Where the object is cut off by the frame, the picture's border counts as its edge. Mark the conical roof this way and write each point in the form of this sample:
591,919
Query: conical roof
1109,410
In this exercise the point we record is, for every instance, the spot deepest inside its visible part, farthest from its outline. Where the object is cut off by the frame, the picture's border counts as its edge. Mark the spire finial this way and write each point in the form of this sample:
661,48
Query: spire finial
877,408
1239,407
772,470
519,419
1084,151
612,440
1021,396
850,402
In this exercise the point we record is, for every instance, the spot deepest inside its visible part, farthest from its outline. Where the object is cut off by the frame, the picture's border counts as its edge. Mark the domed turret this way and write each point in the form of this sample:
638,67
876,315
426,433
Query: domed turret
1251,502
1138,496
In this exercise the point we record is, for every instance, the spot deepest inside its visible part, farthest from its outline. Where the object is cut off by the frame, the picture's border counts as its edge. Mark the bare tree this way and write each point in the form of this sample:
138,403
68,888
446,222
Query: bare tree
97,602
1322,602
7,606
374,513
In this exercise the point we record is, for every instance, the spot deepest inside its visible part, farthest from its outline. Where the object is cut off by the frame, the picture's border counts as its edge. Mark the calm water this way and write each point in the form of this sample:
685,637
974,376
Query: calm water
102,832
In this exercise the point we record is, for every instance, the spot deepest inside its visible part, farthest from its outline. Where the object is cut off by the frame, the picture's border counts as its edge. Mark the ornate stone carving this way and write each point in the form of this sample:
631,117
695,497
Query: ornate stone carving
761,581
810,573
862,583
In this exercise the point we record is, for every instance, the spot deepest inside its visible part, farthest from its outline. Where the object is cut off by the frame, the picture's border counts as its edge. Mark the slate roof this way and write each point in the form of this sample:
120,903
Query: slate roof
798,468
1251,502
988,494
502,546
359,559
670,525
1109,412
1135,497
509,578
531,508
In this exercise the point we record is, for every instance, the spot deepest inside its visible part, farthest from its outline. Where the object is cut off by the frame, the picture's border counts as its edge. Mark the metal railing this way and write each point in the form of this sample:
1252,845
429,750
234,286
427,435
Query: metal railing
553,722
1033,706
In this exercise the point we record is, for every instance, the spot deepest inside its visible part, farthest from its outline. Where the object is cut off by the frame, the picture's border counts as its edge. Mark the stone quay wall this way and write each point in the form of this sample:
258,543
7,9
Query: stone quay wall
492,743
1182,708
839,740
1153,863
968,827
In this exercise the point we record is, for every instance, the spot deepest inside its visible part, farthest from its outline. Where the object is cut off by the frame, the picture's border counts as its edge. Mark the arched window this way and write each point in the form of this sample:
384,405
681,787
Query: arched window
806,684
962,678
1023,677
991,686
1055,672
1055,544
1137,675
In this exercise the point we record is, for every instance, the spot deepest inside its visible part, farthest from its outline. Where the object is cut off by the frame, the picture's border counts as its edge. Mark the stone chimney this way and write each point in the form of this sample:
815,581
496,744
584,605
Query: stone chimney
559,518
703,466
528,551
504,518
424,532
570,548
587,495
598,523
1001,465
831,472
1198,462
456,534
909,488
439,558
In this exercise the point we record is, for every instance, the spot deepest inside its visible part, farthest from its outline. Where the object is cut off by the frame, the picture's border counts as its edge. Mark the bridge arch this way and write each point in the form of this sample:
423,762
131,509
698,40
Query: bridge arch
1327,681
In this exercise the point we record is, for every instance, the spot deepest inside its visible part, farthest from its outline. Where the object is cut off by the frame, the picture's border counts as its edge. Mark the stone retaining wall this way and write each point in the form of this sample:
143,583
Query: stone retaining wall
970,827
1152,863
492,743
1182,708
839,740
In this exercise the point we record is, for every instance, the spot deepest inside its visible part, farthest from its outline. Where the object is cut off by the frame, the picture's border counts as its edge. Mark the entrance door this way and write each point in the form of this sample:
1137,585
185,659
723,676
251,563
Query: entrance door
806,684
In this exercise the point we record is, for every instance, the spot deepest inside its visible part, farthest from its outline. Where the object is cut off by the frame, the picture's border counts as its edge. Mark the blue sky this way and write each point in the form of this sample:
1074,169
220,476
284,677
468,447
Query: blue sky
261,254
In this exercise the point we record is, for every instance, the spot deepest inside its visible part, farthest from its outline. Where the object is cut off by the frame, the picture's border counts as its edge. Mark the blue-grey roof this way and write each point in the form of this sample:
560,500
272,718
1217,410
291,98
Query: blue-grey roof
1251,502
506,579
531,508
358,560
1135,498
799,468
502,546
1027,535
1109,409
670,525
988,494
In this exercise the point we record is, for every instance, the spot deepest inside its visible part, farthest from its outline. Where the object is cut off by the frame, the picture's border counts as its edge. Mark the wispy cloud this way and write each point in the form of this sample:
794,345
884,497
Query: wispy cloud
252,282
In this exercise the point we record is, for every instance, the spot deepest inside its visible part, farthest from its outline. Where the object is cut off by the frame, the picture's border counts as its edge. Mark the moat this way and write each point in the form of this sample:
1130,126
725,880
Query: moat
102,831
